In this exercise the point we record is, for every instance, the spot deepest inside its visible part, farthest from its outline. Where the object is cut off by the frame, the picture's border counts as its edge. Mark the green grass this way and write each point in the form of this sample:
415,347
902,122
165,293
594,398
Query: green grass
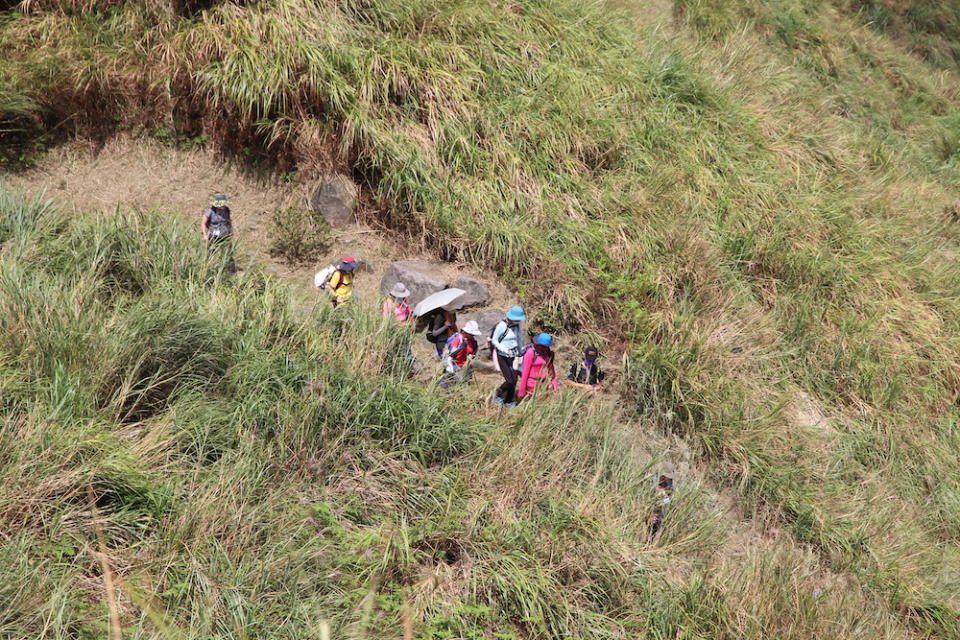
755,199
250,483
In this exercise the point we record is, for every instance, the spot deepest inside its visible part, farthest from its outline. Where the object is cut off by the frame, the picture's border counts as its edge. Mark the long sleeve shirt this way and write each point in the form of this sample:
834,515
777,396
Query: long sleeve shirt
460,347
532,370
400,310
506,339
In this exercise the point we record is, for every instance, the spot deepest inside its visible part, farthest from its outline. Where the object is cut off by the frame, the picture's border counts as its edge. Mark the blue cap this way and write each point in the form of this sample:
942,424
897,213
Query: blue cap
544,340
516,314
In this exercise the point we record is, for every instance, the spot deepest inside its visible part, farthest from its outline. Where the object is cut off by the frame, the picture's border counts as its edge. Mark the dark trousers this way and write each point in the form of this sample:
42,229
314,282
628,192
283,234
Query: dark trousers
508,390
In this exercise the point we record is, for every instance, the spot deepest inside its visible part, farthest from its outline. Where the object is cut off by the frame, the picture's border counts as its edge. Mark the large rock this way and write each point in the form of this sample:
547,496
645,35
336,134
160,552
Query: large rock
334,199
422,278
476,294
486,319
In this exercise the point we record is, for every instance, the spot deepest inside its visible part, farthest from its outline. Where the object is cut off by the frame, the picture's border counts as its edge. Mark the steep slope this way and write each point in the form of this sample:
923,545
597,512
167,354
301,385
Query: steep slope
759,199
249,483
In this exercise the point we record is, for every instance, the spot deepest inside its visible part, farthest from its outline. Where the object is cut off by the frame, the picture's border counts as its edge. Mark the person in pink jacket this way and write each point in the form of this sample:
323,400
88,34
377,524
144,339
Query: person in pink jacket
398,304
536,362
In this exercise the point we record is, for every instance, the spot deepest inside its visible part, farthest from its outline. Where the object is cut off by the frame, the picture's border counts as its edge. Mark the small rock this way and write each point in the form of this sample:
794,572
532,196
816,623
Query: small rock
476,294
422,278
335,199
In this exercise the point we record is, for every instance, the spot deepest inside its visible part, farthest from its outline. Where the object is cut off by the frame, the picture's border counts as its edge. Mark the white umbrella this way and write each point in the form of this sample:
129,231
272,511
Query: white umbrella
437,300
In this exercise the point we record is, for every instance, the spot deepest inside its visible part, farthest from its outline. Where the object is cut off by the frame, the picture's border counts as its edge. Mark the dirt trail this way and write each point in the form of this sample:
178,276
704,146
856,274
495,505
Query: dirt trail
129,173
136,173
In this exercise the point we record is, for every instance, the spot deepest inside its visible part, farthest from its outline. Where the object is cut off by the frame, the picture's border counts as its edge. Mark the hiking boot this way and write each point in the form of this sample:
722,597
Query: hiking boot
498,400
510,405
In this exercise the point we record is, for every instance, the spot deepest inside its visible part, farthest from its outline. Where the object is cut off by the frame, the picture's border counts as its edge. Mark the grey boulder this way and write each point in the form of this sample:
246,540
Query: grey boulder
476,294
335,199
486,319
422,278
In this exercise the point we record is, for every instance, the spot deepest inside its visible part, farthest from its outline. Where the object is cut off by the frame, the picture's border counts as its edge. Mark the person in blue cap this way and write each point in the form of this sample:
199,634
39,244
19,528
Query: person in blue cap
536,365
506,342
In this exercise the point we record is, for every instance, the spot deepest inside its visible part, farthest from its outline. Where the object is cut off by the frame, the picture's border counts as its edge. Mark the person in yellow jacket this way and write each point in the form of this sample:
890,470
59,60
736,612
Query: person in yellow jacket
338,280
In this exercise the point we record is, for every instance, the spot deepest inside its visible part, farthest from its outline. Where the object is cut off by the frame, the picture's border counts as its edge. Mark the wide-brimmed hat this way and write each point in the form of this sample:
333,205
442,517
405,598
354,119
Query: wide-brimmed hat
348,263
516,314
472,328
219,200
400,291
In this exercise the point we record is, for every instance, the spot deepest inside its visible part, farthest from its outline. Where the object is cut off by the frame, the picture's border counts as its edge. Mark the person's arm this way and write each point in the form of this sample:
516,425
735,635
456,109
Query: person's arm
334,281
498,332
205,224
553,376
524,373
571,380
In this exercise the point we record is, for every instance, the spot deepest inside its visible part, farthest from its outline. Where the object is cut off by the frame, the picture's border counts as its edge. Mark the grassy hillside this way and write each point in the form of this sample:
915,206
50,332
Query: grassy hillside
247,482
757,199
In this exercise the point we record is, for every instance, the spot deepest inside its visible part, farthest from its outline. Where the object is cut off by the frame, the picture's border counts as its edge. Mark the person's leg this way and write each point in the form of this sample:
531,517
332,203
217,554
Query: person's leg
228,250
465,374
502,389
508,390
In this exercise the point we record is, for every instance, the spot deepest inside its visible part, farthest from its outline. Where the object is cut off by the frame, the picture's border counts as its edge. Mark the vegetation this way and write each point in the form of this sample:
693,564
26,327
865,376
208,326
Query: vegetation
298,235
758,198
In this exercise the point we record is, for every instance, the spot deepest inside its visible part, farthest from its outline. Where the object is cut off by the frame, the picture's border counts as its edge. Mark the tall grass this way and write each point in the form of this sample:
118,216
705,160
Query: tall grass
751,199
259,475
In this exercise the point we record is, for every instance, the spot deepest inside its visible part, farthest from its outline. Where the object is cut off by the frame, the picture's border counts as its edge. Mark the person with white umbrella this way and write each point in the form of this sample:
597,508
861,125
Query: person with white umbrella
441,320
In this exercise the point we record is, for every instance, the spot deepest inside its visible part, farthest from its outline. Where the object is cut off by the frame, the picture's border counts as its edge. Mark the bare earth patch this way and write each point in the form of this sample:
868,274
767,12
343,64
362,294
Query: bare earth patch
143,174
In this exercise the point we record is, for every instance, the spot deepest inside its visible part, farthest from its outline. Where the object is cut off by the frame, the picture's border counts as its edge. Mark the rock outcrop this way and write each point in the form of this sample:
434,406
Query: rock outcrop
335,198
422,278
476,294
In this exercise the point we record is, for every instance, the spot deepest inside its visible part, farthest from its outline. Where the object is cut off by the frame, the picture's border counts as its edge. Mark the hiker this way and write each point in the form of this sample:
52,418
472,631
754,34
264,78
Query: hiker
505,343
337,280
664,490
217,229
536,362
441,325
461,349
586,373
398,304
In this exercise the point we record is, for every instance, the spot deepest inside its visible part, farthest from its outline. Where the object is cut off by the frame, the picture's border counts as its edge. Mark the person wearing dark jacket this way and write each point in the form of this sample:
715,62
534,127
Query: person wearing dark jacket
441,324
586,373
217,228
664,491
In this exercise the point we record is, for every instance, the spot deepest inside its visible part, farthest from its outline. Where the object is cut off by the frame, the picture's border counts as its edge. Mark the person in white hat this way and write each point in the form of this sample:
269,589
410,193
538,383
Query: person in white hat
398,304
461,349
